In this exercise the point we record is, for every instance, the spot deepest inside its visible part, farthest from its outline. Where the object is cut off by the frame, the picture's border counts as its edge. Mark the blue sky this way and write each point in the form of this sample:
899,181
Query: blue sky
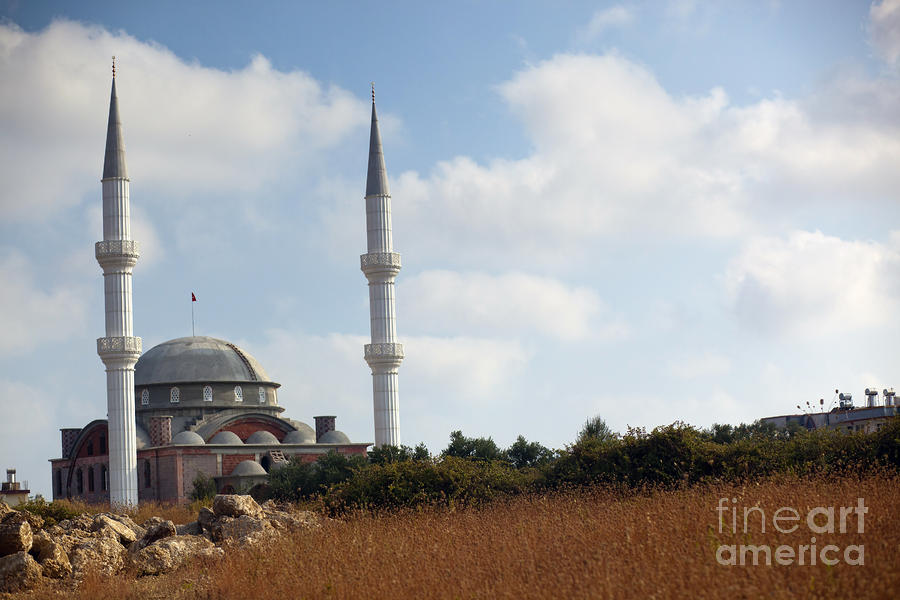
650,211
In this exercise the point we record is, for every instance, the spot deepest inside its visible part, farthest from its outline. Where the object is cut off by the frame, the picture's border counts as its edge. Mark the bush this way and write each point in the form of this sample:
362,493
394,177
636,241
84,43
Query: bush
51,512
477,448
204,488
299,480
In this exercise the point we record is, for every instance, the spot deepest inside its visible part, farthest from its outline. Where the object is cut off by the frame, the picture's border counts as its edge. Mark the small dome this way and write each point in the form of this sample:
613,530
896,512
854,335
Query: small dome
248,467
299,437
334,437
261,437
187,438
225,437
143,438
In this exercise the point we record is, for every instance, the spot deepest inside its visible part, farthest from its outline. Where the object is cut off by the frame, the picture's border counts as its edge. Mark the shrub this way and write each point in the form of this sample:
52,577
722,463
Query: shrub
478,448
204,488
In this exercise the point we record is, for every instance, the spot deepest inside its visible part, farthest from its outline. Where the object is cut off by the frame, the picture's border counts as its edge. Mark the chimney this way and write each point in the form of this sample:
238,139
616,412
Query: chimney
160,430
323,426
69,435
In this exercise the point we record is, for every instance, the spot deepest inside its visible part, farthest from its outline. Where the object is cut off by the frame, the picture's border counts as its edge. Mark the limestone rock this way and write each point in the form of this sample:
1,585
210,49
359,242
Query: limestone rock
243,530
51,556
158,530
170,553
70,539
129,523
15,533
102,554
293,521
36,522
206,518
4,508
234,505
192,528
109,527
18,572
81,523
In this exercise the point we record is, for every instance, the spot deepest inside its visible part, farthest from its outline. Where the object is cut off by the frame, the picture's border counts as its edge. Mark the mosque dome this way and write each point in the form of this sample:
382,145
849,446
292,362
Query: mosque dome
248,467
261,437
225,437
197,359
334,437
187,438
300,437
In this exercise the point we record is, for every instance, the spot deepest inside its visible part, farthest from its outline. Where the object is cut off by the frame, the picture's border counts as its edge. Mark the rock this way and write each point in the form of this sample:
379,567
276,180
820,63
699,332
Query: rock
51,556
158,530
170,553
107,526
293,521
234,505
18,572
4,508
192,528
129,523
36,522
243,530
206,518
81,523
15,533
104,555
151,522
70,539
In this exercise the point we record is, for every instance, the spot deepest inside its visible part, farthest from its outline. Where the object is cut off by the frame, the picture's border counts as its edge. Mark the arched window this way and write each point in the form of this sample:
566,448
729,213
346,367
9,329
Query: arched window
58,481
145,397
79,481
104,478
262,395
174,395
90,479
207,393
238,394
146,473
90,447
102,444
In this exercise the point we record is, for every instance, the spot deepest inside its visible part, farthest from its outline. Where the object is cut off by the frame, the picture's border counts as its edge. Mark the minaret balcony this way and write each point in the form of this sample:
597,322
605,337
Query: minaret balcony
124,347
117,253
375,262
388,351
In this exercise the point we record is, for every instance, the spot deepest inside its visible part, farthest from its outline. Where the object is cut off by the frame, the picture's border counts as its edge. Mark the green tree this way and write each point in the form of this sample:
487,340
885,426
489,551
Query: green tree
528,454
390,454
596,428
477,448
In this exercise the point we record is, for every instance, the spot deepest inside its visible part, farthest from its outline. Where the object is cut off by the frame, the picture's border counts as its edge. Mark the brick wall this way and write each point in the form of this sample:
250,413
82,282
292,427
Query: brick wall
246,427
68,435
230,461
160,430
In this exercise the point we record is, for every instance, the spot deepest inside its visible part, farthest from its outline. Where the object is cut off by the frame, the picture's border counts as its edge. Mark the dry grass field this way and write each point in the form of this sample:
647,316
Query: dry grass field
586,544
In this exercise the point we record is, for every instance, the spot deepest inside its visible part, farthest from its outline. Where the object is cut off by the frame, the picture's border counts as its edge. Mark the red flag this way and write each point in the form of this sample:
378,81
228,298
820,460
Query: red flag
193,297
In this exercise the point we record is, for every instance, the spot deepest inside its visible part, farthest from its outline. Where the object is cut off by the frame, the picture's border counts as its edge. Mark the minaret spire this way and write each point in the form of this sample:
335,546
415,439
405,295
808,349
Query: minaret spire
381,266
117,254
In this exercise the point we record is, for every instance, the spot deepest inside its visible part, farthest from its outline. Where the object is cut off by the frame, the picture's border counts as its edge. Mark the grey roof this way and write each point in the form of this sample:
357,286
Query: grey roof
248,467
187,438
225,437
376,179
114,160
334,437
300,437
197,359
262,437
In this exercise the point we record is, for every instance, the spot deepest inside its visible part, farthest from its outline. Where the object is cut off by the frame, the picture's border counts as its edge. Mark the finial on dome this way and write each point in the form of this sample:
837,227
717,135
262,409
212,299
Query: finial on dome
373,91
114,66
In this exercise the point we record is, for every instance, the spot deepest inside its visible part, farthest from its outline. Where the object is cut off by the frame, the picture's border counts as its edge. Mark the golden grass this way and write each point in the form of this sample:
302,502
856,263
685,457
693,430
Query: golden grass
177,513
586,544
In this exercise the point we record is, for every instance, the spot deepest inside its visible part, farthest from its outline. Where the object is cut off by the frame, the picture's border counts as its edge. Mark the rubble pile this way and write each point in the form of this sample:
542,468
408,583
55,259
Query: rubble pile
111,543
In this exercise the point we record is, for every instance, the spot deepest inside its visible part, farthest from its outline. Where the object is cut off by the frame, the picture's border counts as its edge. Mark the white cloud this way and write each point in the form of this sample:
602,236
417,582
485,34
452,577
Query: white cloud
32,315
698,366
512,303
188,128
615,154
604,19
884,29
813,284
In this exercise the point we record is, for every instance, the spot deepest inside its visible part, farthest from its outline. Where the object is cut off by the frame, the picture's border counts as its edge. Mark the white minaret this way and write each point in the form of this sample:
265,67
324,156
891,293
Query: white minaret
119,350
381,265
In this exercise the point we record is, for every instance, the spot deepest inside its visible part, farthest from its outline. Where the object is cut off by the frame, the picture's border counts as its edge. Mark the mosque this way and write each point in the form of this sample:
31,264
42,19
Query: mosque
200,405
